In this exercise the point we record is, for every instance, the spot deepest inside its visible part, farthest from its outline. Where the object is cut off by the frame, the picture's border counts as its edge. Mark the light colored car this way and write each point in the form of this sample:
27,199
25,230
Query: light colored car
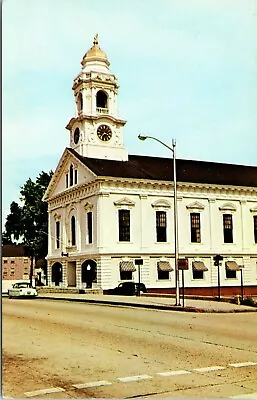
22,289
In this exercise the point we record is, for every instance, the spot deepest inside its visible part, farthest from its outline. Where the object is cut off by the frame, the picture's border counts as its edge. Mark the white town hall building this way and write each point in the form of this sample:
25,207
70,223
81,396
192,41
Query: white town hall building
108,208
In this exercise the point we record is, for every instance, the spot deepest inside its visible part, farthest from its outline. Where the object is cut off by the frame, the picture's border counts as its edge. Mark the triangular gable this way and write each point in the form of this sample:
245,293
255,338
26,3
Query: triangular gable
228,207
124,202
195,206
161,204
58,182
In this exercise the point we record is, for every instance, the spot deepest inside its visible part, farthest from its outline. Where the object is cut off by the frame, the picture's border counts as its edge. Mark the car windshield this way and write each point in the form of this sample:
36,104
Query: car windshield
21,285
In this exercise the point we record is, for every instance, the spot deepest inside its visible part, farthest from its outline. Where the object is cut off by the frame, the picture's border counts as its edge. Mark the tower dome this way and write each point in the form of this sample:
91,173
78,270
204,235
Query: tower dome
95,53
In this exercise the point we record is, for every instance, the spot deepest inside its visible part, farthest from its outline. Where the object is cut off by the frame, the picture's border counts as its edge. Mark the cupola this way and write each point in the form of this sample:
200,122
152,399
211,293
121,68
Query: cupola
95,54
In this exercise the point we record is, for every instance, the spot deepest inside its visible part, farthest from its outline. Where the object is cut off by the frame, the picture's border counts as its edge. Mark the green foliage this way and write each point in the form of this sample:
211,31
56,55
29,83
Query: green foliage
28,223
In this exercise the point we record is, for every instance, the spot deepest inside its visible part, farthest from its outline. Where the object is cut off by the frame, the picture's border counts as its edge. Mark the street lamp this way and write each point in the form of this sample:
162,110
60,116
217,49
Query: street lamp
173,150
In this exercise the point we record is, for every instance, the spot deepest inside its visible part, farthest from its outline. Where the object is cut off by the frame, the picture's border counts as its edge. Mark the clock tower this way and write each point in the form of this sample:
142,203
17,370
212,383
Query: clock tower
96,131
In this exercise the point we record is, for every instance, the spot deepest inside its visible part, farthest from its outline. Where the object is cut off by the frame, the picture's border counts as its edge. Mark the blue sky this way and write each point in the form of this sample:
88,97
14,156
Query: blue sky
187,69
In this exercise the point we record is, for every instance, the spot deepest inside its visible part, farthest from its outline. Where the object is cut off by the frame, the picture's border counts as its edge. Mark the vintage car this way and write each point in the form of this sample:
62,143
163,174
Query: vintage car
128,289
22,289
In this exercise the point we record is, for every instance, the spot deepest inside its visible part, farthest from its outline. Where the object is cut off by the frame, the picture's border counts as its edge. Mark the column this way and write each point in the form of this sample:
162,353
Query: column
64,274
143,222
49,273
78,274
49,234
244,221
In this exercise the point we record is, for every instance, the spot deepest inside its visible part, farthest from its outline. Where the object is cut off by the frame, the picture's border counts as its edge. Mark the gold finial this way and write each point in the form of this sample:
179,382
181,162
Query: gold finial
95,39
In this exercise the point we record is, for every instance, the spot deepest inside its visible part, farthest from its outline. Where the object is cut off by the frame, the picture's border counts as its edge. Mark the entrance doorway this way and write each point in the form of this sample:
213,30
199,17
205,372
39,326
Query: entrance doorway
71,273
88,273
57,273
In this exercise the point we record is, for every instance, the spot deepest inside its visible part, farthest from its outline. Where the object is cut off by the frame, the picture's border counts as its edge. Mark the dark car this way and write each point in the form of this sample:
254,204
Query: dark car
128,289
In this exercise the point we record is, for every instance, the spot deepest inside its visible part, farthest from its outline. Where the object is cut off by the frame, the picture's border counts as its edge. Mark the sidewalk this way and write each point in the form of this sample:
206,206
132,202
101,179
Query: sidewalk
144,301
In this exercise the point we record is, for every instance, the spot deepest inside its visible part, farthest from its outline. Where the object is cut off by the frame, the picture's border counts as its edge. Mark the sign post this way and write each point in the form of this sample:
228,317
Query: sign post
139,262
242,284
217,260
183,265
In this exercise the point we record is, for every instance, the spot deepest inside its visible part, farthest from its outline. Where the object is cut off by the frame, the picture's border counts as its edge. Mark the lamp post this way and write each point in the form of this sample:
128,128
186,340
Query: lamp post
173,150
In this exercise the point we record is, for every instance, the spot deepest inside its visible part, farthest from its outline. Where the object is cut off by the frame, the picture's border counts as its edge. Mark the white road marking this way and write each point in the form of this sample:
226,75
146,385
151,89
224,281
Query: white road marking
44,391
134,378
245,396
209,369
171,373
245,364
91,384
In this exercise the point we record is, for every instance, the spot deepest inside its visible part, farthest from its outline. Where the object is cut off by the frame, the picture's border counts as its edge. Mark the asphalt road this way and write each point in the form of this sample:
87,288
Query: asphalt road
76,350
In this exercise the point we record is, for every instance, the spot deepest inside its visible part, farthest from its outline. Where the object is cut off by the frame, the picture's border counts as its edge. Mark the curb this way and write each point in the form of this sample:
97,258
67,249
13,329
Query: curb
148,306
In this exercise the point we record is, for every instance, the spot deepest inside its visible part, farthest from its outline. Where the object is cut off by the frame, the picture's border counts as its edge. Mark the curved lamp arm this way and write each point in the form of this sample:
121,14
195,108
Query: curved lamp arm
142,137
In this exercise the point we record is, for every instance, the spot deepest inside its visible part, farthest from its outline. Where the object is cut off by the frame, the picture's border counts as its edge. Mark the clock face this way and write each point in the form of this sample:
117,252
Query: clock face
76,135
104,133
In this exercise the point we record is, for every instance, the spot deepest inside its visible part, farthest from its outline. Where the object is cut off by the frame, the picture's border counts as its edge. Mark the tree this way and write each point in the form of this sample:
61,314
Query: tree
28,223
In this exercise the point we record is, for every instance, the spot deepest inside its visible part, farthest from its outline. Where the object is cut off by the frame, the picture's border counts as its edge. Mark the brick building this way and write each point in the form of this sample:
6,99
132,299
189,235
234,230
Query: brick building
15,262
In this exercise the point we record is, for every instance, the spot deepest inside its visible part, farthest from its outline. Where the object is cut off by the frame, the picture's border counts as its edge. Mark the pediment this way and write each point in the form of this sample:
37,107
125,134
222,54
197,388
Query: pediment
88,206
125,201
58,184
196,205
161,204
228,207
253,210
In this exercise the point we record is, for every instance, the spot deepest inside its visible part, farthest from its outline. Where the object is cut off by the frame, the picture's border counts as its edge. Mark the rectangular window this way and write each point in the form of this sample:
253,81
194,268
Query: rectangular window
163,274
57,234
124,225
230,274
67,180
126,275
12,261
161,226
197,274
5,261
228,228
75,176
89,227
195,228
255,228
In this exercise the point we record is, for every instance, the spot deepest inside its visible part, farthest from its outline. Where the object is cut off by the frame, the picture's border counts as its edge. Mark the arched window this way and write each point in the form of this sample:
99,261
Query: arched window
80,102
101,99
73,231
71,175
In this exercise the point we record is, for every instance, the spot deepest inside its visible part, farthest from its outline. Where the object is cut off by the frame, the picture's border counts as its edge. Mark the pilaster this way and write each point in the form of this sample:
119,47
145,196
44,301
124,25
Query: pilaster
78,274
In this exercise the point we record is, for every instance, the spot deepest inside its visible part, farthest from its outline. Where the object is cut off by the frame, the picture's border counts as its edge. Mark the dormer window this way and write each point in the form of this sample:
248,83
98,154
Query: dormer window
101,102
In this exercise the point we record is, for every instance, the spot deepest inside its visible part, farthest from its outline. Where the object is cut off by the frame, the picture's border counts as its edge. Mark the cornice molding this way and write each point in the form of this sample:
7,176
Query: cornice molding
150,187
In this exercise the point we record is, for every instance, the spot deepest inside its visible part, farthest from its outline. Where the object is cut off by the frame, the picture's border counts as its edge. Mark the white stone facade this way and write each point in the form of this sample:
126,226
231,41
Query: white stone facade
93,201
